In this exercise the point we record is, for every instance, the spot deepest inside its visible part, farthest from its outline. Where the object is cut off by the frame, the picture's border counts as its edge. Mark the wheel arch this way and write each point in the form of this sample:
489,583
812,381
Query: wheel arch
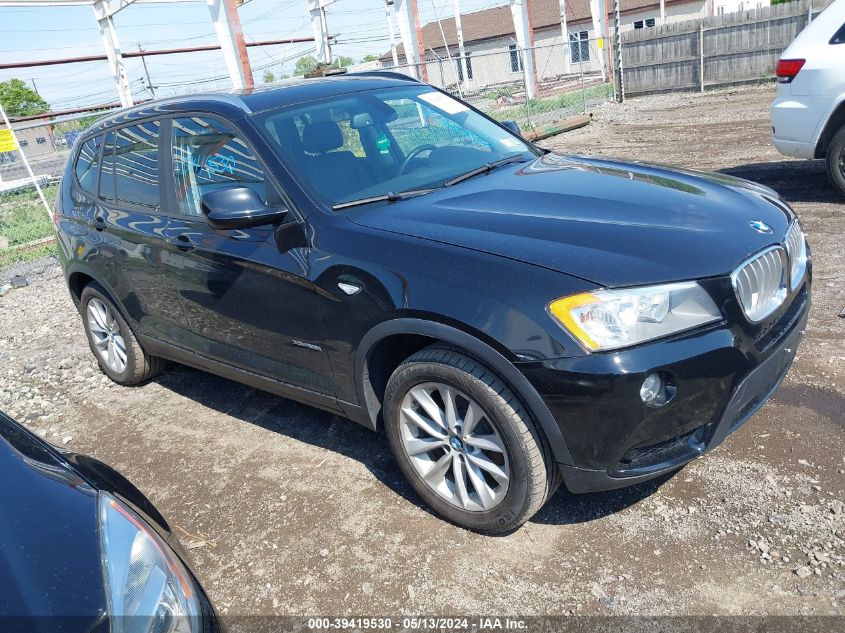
835,122
419,333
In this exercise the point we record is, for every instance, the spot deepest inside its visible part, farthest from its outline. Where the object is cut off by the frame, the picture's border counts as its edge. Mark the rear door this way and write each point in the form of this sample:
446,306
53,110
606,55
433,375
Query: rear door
131,253
246,293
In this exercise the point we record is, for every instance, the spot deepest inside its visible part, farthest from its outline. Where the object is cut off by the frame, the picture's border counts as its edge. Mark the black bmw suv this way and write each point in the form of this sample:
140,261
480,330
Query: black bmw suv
510,317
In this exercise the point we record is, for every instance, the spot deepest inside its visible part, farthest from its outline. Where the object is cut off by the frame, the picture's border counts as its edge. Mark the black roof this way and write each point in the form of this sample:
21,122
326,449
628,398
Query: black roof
284,93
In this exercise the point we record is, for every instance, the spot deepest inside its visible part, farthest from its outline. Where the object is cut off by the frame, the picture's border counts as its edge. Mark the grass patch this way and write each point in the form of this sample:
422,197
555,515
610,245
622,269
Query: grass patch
549,104
23,220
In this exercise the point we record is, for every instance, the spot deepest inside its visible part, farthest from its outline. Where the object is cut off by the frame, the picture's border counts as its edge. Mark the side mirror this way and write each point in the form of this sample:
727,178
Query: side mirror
513,126
238,207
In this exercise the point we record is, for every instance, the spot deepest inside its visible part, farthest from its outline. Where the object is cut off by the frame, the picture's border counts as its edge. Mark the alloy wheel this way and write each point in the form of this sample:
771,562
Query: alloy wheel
842,161
105,332
454,447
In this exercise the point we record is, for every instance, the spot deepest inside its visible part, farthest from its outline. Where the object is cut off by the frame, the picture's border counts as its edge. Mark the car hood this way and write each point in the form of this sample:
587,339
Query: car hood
50,569
608,222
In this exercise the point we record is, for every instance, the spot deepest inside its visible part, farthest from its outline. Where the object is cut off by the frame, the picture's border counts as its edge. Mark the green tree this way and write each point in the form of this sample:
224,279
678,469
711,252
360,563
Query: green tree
19,99
370,58
305,65
269,77
343,62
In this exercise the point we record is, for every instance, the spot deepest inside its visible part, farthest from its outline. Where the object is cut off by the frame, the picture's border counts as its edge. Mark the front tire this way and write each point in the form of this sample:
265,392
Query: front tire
466,443
836,160
116,349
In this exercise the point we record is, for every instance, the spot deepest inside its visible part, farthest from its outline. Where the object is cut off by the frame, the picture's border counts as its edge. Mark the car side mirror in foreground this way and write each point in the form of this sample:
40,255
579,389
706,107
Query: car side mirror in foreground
513,126
238,207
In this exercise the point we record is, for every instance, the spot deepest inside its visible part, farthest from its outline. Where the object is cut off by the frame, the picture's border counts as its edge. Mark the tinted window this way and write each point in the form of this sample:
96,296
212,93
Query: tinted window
88,164
839,38
209,155
130,166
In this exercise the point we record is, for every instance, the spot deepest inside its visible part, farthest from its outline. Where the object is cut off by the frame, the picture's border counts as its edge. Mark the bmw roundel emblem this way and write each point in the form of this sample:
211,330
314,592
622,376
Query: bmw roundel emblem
760,226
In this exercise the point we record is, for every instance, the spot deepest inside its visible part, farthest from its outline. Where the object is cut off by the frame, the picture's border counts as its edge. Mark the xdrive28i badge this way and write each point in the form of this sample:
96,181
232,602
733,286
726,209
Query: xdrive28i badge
760,226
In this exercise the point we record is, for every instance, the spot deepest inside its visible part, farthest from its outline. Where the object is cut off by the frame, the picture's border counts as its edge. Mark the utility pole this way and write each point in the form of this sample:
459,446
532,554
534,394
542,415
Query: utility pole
564,34
408,18
617,53
150,85
462,55
388,10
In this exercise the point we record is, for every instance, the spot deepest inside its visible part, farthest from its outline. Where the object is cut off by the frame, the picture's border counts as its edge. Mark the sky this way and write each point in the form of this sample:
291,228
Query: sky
30,33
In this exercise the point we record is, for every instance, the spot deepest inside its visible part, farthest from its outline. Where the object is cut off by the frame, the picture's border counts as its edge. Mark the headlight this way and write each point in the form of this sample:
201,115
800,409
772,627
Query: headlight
609,319
147,587
796,251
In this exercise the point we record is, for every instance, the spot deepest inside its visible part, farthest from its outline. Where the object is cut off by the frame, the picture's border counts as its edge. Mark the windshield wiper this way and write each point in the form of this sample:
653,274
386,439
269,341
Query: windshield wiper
487,168
385,197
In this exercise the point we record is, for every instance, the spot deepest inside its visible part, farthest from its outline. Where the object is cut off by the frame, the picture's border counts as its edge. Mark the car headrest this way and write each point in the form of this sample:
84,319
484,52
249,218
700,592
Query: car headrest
321,136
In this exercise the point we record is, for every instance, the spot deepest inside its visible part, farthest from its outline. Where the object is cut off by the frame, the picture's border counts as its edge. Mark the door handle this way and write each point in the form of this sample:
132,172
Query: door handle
99,223
182,242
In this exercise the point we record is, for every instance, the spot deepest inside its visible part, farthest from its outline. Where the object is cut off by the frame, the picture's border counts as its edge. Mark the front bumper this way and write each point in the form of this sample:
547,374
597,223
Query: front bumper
723,375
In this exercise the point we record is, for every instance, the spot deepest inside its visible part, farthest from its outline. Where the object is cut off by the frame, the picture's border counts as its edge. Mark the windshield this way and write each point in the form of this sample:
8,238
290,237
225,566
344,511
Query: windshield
371,146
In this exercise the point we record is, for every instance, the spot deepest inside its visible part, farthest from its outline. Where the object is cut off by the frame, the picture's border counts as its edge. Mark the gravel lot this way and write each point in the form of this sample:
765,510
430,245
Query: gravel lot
288,510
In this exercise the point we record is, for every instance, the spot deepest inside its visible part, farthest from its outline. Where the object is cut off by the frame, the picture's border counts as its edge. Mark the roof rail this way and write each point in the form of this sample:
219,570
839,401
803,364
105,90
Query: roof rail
382,73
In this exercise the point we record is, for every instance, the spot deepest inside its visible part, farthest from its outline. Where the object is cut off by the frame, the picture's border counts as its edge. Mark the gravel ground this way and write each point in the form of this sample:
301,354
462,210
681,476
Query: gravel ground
288,510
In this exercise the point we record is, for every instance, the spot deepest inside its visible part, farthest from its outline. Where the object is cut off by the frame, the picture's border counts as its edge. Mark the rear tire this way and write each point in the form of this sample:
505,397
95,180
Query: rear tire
497,467
836,160
113,344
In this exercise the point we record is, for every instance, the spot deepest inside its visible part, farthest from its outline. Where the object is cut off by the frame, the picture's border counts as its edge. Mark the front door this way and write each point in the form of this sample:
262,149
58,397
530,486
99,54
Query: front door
246,292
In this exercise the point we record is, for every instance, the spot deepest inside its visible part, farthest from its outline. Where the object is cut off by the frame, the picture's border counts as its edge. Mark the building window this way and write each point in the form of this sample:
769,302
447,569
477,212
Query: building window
579,47
640,24
516,59
468,63
41,140
24,143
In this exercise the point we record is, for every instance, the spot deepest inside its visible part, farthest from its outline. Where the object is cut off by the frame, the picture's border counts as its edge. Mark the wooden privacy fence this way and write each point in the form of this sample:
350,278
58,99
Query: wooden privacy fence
715,51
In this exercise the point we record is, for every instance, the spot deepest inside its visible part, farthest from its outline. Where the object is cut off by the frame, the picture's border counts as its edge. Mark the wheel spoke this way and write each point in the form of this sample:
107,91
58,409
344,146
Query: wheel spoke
438,472
433,411
417,446
111,356
471,419
459,471
482,461
448,396
485,495
101,343
484,443
425,425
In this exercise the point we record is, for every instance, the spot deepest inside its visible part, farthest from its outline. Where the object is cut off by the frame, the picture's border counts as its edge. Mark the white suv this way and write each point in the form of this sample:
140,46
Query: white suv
808,116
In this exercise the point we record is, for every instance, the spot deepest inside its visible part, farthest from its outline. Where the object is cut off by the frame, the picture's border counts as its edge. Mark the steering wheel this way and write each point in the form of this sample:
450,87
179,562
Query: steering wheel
413,154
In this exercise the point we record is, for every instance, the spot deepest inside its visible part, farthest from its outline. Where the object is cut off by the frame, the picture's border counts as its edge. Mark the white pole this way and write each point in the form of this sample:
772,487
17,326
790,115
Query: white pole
26,162
663,11
226,36
460,32
407,31
388,9
519,11
564,33
600,30
108,34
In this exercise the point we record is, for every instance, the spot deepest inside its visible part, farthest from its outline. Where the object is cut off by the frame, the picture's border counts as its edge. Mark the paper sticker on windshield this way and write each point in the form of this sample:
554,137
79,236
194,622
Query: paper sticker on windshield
509,142
444,102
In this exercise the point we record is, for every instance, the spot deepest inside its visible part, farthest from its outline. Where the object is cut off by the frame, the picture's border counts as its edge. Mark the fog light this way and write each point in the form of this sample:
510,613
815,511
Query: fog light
651,389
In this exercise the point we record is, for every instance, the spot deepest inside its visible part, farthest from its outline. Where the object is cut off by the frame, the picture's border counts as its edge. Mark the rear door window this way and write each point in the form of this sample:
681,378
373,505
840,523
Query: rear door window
209,155
87,166
839,37
130,166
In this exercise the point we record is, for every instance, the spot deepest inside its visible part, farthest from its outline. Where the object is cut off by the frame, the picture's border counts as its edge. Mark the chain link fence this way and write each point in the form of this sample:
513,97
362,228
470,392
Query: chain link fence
26,229
567,80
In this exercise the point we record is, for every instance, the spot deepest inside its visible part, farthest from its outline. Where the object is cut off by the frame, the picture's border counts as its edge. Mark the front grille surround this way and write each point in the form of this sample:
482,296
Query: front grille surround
796,251
760,283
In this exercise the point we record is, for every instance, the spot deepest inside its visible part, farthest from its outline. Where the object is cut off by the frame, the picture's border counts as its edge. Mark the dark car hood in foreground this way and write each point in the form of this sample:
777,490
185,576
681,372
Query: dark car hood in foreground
49,544
612,223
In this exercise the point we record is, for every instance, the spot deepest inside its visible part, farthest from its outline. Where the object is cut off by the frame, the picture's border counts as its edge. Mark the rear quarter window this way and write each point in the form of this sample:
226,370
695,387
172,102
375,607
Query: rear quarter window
839,36
87,168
